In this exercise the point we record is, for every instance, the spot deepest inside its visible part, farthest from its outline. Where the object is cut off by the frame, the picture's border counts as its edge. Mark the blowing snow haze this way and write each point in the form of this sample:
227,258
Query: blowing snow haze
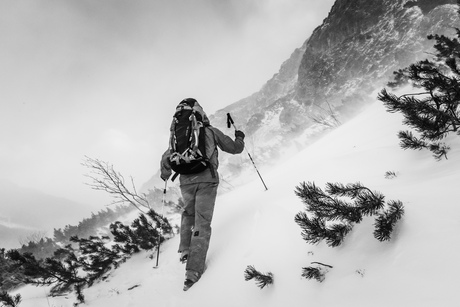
338,69
328,74
101,78
85,78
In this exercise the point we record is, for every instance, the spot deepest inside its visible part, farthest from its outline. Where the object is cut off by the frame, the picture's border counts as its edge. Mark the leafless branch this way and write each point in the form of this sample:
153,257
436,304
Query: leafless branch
327,265
327,117
105,178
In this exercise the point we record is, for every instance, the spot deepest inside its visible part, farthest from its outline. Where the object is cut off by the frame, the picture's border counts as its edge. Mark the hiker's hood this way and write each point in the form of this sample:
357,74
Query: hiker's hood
200,110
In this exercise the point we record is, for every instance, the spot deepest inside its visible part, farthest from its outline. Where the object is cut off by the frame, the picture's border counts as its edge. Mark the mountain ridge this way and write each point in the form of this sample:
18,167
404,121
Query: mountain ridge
336,71
352,54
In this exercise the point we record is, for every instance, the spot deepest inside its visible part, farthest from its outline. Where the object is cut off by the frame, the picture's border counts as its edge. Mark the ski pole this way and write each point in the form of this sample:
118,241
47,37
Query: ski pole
161,224
231,122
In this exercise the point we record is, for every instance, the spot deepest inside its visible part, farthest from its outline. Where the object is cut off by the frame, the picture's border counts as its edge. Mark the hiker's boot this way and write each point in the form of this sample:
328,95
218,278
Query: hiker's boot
191,277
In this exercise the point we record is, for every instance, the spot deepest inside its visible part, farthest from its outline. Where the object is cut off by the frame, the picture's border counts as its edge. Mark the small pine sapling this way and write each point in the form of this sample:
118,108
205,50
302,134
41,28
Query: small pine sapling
313,273
317,272
261,279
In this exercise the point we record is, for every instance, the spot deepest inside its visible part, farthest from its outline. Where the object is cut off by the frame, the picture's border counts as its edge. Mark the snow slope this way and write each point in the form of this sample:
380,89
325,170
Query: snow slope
418,267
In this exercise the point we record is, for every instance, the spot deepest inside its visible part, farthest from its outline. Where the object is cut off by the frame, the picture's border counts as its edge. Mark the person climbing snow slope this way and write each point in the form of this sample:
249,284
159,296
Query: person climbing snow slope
197,162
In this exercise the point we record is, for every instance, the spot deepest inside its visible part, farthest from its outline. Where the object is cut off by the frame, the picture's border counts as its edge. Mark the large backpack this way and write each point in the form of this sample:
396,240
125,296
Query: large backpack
188,140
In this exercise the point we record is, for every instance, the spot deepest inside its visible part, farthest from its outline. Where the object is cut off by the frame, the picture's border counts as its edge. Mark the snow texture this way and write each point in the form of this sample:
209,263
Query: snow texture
251,226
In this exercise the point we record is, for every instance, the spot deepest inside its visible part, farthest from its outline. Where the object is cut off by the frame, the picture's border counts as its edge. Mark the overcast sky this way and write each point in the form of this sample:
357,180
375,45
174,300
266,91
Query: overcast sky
102,77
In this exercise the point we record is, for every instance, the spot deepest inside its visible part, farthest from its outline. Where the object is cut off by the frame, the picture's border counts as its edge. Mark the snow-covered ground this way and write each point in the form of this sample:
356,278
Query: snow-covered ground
251,226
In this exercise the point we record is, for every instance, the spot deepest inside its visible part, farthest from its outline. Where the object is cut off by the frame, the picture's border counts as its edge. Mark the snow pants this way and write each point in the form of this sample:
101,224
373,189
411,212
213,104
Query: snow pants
195,231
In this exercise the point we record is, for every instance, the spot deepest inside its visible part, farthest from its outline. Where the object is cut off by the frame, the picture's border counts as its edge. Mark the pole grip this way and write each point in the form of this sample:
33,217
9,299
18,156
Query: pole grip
230,121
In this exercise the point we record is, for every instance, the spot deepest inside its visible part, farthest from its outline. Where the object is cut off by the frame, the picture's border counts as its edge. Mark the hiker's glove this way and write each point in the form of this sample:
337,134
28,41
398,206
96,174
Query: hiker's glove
165,175
239,134
164,178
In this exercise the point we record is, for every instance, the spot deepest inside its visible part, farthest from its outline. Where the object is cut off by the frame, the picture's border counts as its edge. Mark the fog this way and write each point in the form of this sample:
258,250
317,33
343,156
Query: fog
102,78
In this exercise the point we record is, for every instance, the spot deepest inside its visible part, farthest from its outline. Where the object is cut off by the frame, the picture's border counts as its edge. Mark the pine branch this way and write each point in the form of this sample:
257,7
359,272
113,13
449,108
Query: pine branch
330,219
386,221
321,204
10,301
262,279
314,230
316,273
435,114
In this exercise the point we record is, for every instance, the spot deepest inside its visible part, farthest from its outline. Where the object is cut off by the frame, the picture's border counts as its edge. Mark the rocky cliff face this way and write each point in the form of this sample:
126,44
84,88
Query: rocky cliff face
362,42
351,55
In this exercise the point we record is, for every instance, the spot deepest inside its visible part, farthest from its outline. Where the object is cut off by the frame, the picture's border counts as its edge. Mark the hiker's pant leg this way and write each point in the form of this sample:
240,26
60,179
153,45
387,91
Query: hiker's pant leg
205,199
188,216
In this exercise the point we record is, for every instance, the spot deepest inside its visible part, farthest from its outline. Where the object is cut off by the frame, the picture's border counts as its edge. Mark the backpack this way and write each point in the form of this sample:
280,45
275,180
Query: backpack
188,139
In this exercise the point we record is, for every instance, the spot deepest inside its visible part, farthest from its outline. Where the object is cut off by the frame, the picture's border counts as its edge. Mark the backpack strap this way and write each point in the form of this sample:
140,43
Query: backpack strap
211,167
174,177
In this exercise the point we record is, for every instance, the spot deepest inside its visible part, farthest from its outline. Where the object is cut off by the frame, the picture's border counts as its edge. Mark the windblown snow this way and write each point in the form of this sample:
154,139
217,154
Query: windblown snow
251,226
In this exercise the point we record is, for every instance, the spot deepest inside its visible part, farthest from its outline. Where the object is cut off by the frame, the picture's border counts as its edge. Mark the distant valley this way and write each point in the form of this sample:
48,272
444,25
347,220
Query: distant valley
24,211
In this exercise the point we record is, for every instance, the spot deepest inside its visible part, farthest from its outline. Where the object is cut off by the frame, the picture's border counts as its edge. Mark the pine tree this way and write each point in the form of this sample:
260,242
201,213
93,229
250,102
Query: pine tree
262,279
433,113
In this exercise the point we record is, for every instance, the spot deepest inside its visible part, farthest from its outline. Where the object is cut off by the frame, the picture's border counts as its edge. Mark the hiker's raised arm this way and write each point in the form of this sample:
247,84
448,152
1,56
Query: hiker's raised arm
226,143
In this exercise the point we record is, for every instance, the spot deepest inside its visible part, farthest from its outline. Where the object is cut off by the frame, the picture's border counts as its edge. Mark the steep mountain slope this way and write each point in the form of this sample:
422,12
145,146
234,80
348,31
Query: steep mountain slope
418,267
346,59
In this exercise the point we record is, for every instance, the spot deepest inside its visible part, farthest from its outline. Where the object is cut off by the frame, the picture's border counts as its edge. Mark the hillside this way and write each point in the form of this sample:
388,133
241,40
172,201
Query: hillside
418,267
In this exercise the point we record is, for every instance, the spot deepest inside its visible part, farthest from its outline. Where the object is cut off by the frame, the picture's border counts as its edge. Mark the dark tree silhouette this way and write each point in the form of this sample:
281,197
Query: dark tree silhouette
433,112
10,301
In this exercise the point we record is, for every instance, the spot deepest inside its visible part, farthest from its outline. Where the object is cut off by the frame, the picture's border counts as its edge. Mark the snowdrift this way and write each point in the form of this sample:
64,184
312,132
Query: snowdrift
251,226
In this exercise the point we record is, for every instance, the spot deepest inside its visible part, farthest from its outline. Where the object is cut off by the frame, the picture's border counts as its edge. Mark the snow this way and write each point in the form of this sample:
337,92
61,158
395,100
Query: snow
251,226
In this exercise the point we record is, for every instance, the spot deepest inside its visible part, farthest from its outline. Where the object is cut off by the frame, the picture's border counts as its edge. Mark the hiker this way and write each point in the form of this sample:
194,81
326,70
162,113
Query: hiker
198,190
